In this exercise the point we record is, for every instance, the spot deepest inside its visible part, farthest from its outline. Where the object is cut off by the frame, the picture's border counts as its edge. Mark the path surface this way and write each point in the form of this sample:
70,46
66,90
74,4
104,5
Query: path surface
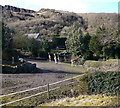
48,72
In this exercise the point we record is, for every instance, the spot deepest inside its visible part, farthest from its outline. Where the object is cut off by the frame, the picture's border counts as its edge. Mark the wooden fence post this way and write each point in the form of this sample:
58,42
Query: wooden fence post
48,92
12,60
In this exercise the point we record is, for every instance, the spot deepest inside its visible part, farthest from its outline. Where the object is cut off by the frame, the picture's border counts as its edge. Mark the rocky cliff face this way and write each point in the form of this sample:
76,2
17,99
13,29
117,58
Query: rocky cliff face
16,9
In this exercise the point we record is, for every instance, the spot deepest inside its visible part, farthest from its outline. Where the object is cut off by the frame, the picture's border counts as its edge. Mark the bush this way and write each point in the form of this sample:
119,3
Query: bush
56,41
43,54
111,58
88,55
26,68
7,54
116,57
106,83
8,69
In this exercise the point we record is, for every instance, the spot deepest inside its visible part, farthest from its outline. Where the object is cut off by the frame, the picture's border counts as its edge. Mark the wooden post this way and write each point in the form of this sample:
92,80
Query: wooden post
64,58
49,56
13,60
18,58
55,58
48,92
71,63
103,54
72,92
58,58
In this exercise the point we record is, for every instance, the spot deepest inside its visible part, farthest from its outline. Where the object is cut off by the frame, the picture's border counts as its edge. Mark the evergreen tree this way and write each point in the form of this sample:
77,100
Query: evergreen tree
85,48
74,40
95,45
35,46
7,36
46,46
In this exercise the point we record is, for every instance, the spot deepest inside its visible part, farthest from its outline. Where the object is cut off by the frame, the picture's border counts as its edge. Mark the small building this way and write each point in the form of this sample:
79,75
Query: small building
33,35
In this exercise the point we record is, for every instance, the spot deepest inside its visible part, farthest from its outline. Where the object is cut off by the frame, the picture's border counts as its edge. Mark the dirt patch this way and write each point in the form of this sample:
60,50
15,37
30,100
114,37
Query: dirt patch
48,72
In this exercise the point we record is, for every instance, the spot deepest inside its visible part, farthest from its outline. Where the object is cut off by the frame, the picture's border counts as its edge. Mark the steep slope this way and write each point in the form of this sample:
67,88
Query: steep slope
95,20
46,21
54,22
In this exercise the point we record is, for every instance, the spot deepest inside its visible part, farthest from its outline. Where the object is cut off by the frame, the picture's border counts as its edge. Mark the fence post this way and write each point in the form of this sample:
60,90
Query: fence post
48,92
12,60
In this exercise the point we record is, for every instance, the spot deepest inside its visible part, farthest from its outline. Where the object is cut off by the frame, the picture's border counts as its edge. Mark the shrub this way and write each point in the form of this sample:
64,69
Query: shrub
116,57
42,54
107,83
7,54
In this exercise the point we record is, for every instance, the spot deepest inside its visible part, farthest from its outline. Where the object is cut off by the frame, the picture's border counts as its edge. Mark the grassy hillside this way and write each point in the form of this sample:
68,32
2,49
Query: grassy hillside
55,22
45,21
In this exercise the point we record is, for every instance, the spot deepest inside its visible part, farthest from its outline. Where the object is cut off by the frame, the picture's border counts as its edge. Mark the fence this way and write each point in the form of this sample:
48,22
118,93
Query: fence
34,89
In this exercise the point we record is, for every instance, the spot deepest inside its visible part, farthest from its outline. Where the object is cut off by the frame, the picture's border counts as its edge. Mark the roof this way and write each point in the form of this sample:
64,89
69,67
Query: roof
33,35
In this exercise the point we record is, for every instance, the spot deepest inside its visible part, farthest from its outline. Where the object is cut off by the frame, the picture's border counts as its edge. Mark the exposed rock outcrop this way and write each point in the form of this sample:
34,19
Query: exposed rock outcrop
16,9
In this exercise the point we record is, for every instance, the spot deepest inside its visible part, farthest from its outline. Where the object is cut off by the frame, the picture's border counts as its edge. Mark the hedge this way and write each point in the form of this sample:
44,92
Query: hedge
104,82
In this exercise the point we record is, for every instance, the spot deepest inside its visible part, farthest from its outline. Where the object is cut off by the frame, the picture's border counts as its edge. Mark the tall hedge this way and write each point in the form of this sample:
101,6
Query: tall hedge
105,83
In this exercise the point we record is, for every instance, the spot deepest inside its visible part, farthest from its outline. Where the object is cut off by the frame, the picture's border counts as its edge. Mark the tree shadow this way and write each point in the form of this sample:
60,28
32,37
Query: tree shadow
37,71
56,71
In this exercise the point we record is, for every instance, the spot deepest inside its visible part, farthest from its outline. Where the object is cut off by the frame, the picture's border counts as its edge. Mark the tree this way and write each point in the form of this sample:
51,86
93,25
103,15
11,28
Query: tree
8,50
7,36
20,41
95,45
46,46
56,41
111,50
65,31
86,40
34,46
87,54
117,50
74,40
108,39
37,30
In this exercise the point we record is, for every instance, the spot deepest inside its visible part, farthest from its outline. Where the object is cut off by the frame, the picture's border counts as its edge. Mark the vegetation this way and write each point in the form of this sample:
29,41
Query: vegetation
7,36
104,83
91,47
46,46
94,42
19,41
85,101
58,42
95,46
74,40
34,46
8,50
51,23
91,91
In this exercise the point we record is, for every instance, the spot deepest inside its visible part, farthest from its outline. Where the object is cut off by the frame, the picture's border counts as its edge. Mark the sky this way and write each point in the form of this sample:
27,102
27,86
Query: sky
77,6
